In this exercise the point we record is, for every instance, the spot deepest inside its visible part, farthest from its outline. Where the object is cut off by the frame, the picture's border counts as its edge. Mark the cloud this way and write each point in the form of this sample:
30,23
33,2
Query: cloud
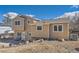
75,6
30,15
37,19
67,14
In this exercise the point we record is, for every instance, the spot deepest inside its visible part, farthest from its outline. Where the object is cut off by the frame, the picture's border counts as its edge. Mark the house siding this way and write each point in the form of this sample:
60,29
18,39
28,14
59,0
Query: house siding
46,32
18,27
60,34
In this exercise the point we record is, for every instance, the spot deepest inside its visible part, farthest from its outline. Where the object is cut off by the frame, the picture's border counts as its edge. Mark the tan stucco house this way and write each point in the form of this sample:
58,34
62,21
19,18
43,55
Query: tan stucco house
29,27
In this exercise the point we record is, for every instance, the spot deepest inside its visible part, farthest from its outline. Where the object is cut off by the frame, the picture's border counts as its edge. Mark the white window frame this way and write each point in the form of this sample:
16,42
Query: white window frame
57,27
62,27
41,26
53,28
17,21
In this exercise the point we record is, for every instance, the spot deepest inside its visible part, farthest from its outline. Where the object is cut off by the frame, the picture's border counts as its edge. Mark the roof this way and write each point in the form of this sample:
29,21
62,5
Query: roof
4,29
27,17
39,23
61,20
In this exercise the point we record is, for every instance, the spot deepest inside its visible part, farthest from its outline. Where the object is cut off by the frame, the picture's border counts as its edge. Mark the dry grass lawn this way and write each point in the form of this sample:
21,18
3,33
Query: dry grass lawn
45,47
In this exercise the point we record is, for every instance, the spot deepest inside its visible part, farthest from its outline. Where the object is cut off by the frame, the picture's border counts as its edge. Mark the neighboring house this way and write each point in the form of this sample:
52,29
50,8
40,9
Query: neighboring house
6,32
74,34
27,27
75,31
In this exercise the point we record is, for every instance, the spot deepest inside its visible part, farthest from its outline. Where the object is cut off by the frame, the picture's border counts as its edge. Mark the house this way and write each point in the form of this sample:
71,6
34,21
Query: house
75,31
28,27
74,34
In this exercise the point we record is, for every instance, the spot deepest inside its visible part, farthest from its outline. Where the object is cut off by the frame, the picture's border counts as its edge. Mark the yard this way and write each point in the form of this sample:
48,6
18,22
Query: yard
45,47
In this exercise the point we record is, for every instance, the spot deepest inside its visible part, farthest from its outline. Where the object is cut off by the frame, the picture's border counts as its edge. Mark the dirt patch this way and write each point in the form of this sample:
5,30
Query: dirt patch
45,47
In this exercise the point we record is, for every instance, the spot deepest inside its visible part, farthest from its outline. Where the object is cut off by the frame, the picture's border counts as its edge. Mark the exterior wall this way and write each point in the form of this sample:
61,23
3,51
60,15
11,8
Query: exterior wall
60,35
18,27
44,33
23,27
47,31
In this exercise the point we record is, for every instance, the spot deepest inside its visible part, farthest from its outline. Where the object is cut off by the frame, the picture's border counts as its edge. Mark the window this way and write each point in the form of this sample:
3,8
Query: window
19,34
17,22
28,22
55,28
29,33
39,27
58,28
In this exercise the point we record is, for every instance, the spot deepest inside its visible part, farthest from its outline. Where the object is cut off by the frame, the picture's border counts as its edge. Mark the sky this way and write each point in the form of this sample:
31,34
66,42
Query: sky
39,11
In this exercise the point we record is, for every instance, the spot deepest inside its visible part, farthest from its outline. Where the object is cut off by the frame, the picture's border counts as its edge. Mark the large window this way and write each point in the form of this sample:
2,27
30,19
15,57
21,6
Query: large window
55,28
58,28
39,27
17,22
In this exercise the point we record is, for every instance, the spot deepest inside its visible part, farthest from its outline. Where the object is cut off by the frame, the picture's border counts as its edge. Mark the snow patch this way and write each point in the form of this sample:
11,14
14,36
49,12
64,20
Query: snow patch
3,29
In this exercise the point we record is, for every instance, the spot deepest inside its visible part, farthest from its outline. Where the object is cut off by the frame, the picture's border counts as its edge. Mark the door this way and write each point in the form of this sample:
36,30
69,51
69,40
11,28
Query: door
23,36
19,36
28,35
